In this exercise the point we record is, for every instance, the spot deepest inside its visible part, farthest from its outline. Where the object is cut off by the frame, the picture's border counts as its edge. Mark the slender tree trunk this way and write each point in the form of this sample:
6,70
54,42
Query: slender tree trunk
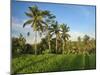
63,46
35,42
56,43
49,44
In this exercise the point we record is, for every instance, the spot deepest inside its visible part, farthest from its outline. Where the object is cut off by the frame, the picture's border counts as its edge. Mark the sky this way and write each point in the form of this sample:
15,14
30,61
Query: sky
80,18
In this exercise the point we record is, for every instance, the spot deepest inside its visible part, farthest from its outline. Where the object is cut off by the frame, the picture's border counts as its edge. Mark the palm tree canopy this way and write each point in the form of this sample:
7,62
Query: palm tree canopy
79,38
86,38
55,27
37,18
64,31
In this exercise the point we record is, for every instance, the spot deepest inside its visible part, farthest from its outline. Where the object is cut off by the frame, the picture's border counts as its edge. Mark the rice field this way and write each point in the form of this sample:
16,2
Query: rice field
52,63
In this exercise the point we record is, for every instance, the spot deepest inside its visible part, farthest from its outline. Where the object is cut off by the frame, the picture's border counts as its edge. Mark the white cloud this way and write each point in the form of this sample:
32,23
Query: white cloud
17,28
74,35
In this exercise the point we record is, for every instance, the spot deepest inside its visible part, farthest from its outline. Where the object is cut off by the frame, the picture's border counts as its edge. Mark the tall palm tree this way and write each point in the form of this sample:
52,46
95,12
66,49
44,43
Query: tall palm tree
79,44
86,39
49,38
49,21
64,34
86,42
56,31
37,21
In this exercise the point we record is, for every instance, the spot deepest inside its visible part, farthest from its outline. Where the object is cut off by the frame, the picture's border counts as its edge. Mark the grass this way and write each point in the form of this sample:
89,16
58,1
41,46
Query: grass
52,62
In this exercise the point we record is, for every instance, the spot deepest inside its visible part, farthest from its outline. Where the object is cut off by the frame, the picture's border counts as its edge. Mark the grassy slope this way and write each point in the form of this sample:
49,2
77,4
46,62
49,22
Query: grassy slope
52,62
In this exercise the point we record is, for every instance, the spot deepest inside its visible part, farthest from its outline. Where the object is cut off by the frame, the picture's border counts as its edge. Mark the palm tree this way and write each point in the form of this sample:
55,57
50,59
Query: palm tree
56,31
86,39
49,38
86,42
49,21
64,34
79,44
37,21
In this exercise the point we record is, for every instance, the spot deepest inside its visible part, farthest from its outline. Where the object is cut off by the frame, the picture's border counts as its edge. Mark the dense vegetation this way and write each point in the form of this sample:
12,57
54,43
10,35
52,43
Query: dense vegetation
74,47
55,52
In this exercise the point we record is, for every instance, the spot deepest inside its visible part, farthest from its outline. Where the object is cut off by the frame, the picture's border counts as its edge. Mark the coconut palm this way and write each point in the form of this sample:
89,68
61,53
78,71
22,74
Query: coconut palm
49,35
49,21
56,31
86,39
36,19
64,34
79,45
86,42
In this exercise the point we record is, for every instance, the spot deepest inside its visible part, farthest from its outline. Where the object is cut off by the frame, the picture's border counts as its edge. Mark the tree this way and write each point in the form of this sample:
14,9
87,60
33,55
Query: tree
64,34
86,39
79,44
92,46
56,31
37,21
22,41
28,49
15,45
49,21
43,44
18,44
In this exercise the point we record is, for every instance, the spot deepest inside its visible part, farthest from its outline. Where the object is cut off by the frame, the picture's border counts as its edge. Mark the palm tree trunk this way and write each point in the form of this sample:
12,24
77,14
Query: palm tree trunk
63,45
56,43
49,42
49,45
35,43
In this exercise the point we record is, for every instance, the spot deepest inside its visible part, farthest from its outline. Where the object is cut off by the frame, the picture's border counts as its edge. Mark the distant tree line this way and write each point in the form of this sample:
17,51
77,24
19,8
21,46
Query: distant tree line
85,45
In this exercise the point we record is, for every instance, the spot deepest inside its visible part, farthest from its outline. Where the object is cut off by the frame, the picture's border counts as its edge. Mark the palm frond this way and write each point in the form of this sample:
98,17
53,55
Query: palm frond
45,13
29,14
52,16
34,10
27,22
